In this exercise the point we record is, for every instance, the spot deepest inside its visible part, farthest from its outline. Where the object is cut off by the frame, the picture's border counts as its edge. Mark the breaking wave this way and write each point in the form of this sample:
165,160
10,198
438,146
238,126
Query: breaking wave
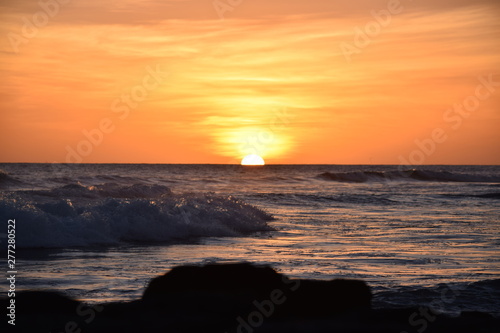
76,215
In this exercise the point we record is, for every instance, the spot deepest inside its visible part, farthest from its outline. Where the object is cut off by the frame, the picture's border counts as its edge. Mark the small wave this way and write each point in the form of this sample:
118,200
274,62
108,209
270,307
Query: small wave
453,298
495,195
7,180
95,179
307,199
104,191
414,174
492,195
112,215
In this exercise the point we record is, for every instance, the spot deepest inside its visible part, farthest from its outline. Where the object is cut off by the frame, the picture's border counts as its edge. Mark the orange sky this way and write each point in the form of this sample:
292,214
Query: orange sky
318,81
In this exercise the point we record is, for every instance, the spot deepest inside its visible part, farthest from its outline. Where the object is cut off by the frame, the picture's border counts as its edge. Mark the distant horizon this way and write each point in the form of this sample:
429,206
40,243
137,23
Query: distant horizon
250,166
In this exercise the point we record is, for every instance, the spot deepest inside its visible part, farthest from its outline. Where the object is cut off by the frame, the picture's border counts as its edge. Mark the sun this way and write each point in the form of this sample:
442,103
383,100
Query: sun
252,160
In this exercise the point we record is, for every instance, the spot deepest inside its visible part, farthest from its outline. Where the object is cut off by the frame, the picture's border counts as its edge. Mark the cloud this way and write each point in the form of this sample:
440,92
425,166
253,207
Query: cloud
145,12
230,77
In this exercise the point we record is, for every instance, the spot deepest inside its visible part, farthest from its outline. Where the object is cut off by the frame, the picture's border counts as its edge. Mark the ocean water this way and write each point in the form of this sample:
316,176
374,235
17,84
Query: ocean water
100,232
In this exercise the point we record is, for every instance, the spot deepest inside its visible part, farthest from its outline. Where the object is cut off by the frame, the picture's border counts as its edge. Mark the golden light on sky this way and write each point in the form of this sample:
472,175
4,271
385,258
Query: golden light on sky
292,81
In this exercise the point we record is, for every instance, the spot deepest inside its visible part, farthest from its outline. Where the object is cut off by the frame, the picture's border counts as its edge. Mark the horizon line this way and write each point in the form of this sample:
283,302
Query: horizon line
267,164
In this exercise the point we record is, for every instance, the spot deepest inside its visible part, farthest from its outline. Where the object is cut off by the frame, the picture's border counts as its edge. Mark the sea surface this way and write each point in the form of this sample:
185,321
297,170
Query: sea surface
100,232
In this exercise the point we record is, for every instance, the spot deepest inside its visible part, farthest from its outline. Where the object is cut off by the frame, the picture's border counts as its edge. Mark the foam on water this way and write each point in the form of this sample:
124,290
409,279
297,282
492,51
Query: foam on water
77,215
406,234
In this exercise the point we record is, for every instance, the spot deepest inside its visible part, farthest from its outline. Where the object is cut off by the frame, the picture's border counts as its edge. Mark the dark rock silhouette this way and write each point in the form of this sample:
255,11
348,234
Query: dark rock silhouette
234,289
52,302
221,278
236,298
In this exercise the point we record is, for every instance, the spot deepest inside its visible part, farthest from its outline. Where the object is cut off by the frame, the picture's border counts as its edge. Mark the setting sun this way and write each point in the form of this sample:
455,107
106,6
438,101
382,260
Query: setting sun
249,147
252,160
122,83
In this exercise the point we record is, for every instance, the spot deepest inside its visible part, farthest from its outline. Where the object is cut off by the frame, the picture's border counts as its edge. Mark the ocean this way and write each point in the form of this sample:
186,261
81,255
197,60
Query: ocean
101,232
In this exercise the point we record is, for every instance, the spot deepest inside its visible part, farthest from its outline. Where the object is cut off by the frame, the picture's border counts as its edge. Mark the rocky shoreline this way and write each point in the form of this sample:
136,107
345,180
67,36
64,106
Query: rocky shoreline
237,298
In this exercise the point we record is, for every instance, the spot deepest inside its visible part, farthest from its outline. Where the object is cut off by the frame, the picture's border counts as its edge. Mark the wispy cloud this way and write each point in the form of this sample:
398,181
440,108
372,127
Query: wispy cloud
227,78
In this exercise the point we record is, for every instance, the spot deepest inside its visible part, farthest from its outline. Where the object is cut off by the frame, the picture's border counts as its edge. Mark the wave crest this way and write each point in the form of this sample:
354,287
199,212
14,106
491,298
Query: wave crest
89,216
413,174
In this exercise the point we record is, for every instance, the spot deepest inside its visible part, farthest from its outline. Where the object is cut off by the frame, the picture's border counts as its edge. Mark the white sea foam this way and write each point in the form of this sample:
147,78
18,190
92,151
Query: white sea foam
76,215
